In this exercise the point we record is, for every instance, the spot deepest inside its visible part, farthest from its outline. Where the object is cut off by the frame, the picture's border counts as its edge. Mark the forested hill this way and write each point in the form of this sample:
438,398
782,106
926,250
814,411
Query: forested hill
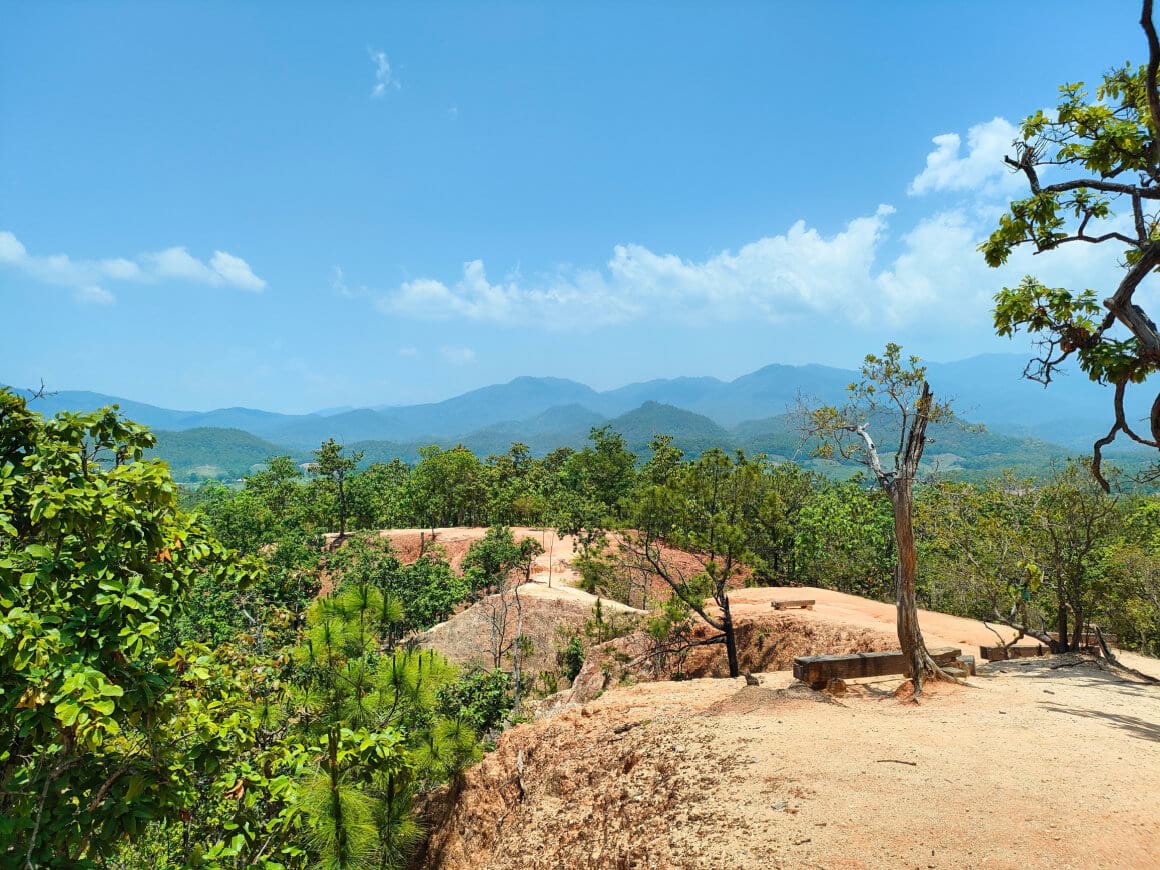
206,452
1027,427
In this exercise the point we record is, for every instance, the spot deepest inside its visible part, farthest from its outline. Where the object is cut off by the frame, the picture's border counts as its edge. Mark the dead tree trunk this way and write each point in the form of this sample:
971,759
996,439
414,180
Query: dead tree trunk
517,677
730,637
899,485
906,585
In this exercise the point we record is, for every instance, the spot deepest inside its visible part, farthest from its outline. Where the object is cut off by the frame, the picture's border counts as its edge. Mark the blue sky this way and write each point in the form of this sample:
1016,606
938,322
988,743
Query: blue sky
294,206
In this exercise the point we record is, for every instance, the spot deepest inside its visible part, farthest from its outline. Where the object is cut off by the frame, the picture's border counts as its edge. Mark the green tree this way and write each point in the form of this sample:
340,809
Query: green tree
95,560
889,388
702,510
446,488
1103,156
332,465
376,495
371,711
843,538
603,472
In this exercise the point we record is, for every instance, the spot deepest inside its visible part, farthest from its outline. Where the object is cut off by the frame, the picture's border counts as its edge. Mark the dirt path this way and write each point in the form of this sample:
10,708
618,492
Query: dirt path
1033,765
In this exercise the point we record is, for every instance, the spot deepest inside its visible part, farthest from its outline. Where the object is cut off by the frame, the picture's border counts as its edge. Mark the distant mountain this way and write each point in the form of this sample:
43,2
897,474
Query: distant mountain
197,454
693,433
247,419
346,426
516,400
549,412
82,400
563,426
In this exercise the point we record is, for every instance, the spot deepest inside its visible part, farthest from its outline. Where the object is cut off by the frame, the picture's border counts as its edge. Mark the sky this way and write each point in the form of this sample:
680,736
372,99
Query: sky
296,206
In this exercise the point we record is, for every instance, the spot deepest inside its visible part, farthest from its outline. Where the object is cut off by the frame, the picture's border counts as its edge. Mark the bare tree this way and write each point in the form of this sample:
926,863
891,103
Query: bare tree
890,393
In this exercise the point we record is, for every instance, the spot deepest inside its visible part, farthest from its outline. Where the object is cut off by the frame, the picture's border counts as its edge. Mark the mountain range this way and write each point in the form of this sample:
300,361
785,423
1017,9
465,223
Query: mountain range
751,412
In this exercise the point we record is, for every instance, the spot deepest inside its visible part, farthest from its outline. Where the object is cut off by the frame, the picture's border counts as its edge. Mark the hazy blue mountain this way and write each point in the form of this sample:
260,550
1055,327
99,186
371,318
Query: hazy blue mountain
989,388
349,426
516,400
680,392
82,400
247,419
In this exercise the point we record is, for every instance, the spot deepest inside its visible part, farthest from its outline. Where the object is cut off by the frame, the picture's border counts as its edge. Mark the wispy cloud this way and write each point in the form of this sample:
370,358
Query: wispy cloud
93,294
339,285
409,352
384,77
88,278
457,356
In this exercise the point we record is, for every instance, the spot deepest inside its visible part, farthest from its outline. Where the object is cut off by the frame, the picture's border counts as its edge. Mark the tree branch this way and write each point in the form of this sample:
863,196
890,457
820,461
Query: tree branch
1150,76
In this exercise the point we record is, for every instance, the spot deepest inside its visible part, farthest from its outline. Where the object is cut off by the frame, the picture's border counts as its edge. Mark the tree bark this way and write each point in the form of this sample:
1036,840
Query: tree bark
900,488
516,675
906,585
1062,626
730,637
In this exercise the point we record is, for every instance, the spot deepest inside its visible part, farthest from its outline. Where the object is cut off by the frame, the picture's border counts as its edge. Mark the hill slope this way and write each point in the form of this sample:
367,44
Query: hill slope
196,454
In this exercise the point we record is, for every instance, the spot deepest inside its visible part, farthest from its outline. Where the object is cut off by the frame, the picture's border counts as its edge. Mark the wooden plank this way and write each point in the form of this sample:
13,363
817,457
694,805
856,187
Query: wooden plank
819,670
803,603
1001,653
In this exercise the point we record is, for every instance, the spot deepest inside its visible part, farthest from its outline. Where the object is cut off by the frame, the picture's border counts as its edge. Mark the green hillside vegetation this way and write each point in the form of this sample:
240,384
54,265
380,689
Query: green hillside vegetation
208,640
958,452
222,454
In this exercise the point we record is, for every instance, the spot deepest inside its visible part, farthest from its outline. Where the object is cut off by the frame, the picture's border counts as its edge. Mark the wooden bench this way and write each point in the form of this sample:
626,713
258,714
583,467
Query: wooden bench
803,603
817,671
1003,653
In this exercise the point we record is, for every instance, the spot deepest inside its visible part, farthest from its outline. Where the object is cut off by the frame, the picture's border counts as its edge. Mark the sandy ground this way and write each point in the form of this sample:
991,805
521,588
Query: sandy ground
1033,764
1037,762
938,629
553,608
1040,762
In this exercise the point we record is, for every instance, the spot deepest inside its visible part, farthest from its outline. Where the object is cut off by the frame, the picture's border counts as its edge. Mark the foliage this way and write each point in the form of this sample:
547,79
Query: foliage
95,559
333,465
1103,156
844,539
482,699
571,658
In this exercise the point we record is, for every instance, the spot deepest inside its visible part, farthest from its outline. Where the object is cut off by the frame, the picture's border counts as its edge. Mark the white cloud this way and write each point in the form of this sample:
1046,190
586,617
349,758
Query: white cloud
933,277
87,277
384,78
457,356
777,277
93,294
982,165
11,251
179,263
235,272
409,351
339,286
